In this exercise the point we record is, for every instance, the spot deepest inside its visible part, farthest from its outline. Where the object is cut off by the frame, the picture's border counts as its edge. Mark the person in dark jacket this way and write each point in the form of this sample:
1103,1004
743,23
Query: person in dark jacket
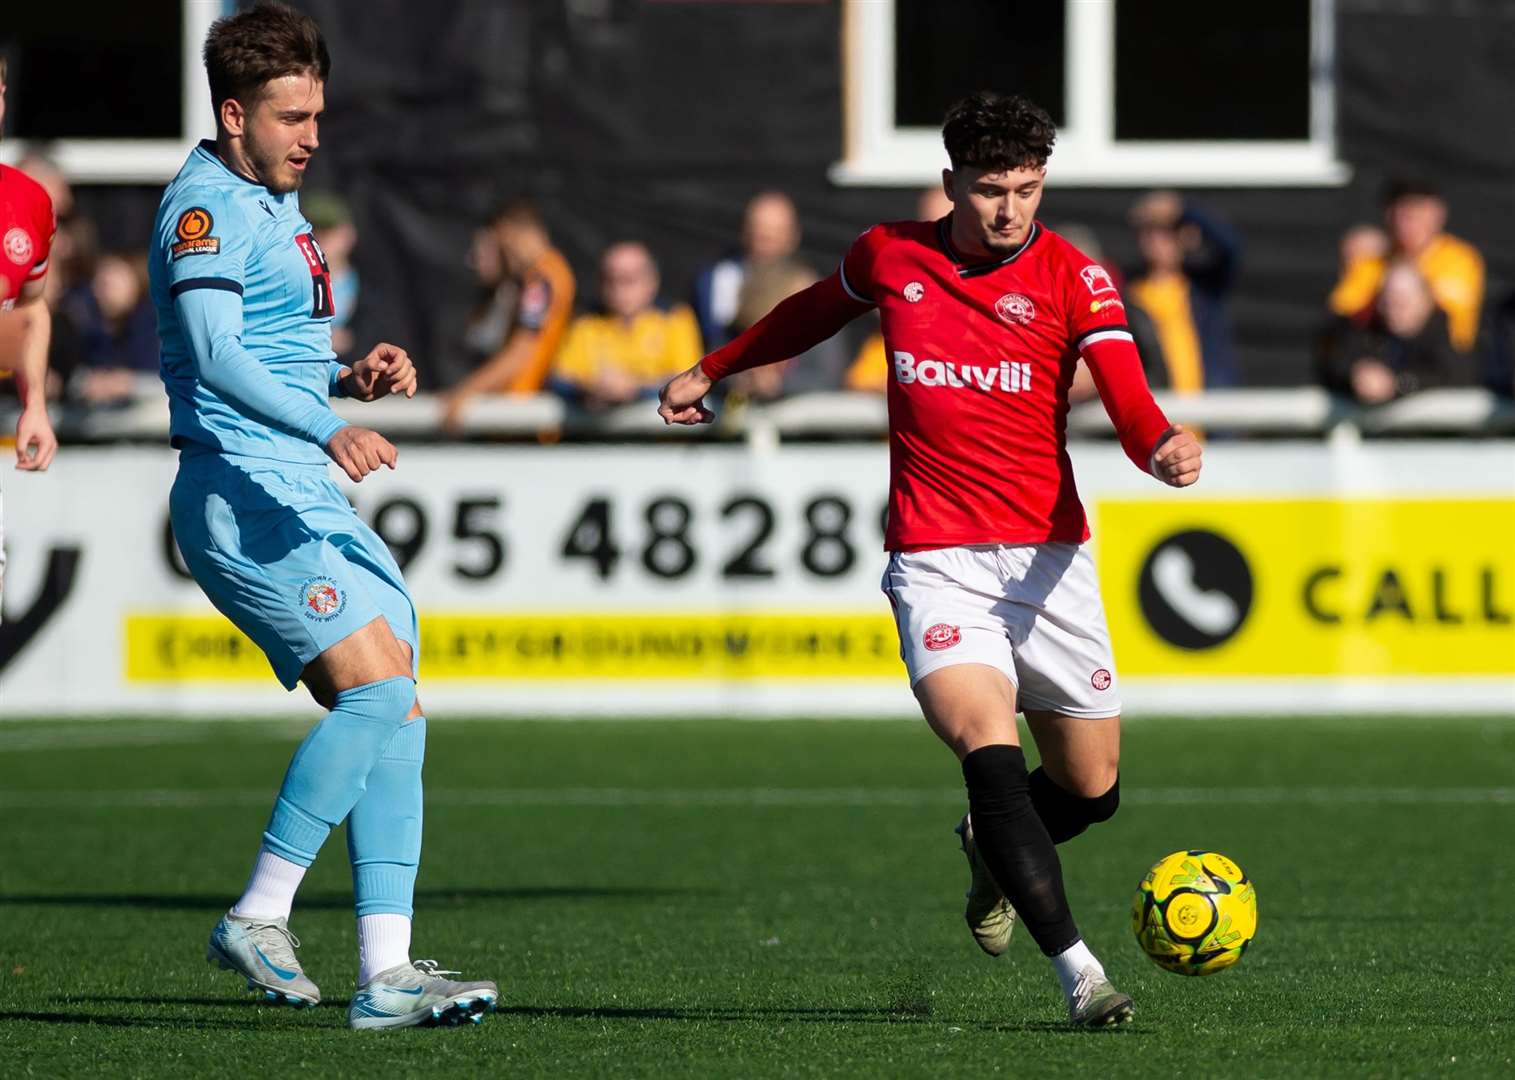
1190,261
1405,346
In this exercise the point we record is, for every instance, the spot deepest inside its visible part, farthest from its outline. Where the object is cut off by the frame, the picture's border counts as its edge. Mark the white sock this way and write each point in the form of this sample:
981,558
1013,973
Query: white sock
383,943
1073,961
270,892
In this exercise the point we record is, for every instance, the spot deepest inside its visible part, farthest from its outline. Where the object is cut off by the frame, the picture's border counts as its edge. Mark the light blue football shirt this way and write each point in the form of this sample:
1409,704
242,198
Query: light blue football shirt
243,296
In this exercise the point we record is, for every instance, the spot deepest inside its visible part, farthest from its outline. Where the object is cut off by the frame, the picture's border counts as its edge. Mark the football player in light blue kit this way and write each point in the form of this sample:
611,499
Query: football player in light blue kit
244,312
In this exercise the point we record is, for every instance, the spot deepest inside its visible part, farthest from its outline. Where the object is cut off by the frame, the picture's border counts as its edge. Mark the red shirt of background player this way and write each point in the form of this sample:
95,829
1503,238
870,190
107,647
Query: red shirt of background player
26,233
981,357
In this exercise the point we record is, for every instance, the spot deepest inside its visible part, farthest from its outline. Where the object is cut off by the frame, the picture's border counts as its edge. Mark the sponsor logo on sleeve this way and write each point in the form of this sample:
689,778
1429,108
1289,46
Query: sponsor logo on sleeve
1015,309
321,600
18,246
1097,278
194,234
941,636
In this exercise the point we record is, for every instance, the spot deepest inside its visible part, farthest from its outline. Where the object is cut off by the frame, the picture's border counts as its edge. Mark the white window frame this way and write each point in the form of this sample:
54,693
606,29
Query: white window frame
1087,153
142,161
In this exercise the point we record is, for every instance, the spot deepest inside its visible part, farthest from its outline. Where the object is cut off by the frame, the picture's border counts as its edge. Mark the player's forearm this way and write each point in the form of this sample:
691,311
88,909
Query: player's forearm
336,376
31,371
1139,423
213,330
795,326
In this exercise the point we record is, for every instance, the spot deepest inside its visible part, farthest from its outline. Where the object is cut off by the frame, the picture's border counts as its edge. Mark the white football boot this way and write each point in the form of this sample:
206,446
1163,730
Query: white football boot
263,952
1095,1003
409,995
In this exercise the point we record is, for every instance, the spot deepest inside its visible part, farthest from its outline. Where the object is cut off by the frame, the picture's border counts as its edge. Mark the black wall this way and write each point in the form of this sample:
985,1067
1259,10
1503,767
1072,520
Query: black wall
656,120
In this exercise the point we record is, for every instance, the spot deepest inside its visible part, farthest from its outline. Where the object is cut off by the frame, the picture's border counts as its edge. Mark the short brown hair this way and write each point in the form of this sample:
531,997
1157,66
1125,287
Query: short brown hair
998,133
268,41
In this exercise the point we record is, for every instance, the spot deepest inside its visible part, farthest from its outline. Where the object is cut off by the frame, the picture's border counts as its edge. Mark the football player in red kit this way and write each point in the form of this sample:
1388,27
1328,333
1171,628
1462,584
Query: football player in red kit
985,314
26,237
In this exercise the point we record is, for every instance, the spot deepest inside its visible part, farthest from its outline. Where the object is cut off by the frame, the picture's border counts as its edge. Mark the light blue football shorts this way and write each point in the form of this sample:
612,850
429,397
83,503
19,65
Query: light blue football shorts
281,553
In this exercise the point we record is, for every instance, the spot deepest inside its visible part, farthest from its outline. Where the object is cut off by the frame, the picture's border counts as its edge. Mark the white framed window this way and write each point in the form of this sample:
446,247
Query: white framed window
148,101
1185,92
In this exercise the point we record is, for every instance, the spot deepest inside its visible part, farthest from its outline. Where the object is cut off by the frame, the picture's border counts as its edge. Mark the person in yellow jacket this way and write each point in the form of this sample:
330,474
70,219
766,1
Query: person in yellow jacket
1415,215
631,348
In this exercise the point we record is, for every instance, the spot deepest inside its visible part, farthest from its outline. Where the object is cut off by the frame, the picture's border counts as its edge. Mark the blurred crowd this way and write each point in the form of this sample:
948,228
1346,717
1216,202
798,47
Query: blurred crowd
1406,312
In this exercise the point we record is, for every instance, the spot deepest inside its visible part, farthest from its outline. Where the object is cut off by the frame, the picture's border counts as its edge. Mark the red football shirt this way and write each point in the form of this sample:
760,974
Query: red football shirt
981,357
26,233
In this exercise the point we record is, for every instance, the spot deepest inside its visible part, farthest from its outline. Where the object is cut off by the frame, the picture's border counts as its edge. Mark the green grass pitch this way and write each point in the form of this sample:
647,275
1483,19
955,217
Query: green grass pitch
727,898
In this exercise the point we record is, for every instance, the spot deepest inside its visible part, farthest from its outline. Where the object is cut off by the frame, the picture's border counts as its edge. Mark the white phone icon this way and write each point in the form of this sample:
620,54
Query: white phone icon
1209,610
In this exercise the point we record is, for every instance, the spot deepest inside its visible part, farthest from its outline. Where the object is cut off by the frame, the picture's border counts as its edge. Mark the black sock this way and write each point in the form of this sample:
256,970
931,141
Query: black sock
1014,845
1066,814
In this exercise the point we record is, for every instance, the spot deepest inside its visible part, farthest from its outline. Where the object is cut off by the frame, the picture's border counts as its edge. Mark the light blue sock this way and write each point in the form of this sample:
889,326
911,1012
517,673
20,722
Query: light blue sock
384,828
327,774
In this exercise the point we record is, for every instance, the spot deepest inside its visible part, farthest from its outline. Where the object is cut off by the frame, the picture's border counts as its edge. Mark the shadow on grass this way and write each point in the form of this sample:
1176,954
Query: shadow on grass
250,999
218,902
733,1014
186,1023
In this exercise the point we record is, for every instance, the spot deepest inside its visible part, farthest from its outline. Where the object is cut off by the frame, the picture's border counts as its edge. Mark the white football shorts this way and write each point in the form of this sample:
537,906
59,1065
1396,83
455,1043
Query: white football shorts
1032,611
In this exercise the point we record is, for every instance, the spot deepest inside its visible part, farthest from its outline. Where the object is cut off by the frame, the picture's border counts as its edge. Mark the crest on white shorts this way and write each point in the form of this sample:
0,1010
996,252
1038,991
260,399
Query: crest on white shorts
941,636
321,600
18,246
1101,679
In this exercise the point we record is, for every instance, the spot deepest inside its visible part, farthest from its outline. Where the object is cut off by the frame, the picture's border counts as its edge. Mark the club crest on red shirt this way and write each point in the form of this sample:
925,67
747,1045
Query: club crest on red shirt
914,291
1015,308
1101,679
321,599
18,246
941,636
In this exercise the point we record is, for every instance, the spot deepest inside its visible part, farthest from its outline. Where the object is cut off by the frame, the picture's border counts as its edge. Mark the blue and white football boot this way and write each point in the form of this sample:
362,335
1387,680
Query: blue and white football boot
263,952
410,995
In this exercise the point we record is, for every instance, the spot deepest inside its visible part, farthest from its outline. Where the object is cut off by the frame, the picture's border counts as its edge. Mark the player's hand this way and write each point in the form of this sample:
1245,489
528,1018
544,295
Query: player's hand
386,370
1176,460
360,451
682,401
35,442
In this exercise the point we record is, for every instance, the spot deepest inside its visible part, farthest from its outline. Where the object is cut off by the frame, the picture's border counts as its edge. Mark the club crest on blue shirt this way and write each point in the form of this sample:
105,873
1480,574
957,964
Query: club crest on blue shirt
321,600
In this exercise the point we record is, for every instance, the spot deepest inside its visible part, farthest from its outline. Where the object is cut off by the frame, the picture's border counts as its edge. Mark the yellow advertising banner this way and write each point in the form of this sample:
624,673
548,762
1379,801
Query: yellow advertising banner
1310,586
462,646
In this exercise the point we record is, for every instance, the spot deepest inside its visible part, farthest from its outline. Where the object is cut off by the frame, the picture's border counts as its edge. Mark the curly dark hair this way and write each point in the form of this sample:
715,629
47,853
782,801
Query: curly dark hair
268,41
997,133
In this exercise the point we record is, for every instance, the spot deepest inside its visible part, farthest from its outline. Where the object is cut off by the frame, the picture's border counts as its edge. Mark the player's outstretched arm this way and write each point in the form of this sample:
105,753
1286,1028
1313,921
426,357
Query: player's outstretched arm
1168,452
35,442
386,370
795,326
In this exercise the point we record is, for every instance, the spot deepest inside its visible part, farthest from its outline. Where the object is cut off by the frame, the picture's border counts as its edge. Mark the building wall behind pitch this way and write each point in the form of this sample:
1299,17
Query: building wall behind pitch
656,121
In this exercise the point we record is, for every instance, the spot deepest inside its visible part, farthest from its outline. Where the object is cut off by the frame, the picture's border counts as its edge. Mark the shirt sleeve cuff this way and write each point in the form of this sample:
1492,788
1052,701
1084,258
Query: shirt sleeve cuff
328,430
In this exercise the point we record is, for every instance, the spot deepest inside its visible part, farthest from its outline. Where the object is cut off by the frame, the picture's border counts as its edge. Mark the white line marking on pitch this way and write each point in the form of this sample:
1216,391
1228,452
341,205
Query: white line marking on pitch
175,798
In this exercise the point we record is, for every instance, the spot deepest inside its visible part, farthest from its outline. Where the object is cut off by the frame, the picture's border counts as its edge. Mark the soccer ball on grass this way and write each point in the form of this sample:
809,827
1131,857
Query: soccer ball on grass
1195,913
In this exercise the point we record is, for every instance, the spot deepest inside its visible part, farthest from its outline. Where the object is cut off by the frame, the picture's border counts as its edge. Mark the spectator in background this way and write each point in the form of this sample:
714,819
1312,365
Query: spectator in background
634,345
1415,215
1499,368
1404,346
819,368
336,235
544,301
118,332
1189,265
770,234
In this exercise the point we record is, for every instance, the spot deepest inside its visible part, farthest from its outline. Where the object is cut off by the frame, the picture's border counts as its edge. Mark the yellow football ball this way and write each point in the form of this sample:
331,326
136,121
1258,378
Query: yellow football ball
1195,913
